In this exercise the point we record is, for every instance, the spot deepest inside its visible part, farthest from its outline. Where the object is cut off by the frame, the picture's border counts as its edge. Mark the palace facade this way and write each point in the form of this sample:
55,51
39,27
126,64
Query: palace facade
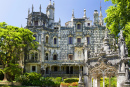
60,49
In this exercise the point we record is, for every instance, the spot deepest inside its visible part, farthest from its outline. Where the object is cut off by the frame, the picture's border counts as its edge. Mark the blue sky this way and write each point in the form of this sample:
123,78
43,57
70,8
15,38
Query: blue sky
14,12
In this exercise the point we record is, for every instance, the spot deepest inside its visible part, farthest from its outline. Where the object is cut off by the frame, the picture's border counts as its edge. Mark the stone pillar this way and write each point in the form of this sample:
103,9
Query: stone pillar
95,82
80,80
85,72
121,75
98,82
90,81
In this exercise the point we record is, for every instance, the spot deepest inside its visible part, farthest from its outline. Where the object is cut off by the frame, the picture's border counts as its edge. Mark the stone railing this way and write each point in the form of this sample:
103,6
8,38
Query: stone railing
63,75
78,44
64,61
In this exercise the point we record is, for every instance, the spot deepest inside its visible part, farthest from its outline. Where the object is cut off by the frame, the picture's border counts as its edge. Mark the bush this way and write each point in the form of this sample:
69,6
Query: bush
31,79
71,80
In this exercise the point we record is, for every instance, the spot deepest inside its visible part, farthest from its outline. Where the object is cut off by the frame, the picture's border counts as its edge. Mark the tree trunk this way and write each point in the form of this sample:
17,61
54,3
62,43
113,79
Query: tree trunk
5,77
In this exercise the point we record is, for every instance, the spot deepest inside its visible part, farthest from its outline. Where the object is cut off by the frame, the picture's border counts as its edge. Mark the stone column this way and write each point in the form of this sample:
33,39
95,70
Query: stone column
95,82
98,81
121,75
80,80
85,72
90,81
50,70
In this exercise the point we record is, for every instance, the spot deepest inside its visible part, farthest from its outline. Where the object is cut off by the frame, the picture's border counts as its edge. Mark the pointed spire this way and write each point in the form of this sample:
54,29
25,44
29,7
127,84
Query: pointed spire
32,7
53,3
40,8
73,13
28,11
84,13
121,34
59,20
50,2
100,16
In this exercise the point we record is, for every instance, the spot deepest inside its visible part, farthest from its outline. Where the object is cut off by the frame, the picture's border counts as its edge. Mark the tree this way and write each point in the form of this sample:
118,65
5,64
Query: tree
118,17
13,41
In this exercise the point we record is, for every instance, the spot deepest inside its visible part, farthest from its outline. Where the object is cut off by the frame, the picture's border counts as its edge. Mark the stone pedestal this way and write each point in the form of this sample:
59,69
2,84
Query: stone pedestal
121,79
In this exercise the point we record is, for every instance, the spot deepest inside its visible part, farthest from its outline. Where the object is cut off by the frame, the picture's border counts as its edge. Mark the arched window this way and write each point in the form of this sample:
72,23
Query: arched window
46,39
54,40
32,56
55,57
78,26
46,57
88,40
70,40
36,56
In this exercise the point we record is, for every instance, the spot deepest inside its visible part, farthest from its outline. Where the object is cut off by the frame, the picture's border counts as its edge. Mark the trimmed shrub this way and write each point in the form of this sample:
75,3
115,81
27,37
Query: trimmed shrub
71,80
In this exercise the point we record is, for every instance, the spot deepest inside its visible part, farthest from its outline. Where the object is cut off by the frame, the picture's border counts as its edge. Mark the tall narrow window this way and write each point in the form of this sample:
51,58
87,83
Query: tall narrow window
78,40
36,23
70,40
36,56
88,40
54,57
46,58
78,26
54,40
46,39
32,56
88,24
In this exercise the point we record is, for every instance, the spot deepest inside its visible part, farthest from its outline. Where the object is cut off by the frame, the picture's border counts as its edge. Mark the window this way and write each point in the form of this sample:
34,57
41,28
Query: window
70,57
88,40
46,39
55,68
56,28
32,56
36,23
55,57
78,26
70,40
54,40
36,55
78,40
88,24
33,68
46,57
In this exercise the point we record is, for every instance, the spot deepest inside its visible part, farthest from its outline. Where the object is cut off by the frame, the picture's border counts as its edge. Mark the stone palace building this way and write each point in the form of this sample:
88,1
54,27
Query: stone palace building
80,45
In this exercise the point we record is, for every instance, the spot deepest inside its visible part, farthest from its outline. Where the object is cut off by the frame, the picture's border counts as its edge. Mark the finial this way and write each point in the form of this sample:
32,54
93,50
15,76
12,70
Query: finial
84,13
50,2
100,6
59,20
40,7
53,3
28,11
32,7
73,13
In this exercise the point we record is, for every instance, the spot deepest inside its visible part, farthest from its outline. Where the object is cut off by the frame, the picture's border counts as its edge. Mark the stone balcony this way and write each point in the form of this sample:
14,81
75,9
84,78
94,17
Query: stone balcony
62,75
63,62
78,44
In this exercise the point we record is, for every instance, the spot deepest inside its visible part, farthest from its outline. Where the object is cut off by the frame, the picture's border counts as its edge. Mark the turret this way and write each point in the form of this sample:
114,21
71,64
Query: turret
50,11
96,20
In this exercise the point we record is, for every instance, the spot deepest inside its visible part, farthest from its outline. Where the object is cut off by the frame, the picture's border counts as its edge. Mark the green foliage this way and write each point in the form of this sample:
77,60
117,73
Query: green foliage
35,79
113,82
118,17
70,80
13,41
